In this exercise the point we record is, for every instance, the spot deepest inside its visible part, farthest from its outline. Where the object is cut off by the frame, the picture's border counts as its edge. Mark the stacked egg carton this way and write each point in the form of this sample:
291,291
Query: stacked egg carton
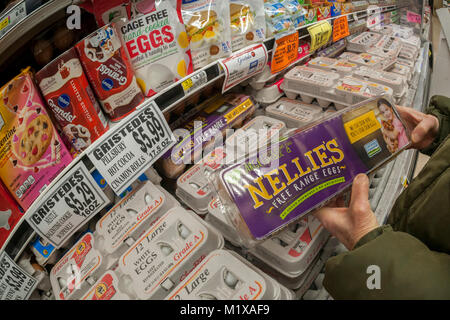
363,41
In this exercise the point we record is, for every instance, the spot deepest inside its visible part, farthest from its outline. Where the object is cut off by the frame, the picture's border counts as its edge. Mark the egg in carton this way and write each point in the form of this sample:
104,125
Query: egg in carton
192,186
340,66
108,287
77,270
310,83
224,275
395,81
166,254
291,251
118,229
403,70
270,93
368,60
386,47
363,42
294,113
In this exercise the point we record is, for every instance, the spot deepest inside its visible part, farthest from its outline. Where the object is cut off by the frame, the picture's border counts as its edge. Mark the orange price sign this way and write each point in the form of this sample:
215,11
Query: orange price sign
340,28
285,52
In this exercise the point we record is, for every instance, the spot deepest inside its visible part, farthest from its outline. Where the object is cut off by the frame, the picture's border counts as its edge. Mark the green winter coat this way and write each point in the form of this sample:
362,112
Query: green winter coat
413,249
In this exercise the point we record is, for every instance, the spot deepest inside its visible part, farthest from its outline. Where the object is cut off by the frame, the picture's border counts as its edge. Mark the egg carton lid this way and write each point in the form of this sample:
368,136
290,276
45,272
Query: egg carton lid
395,81
363,41
107,288
310,77
363,59
295,113
340,66
350,87
217,219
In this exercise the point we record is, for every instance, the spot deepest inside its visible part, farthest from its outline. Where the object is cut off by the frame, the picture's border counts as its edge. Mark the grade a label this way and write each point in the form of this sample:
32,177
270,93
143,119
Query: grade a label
13,16
194,82
69,204
285,52
320,34
15,283
132,147
243,64
340,28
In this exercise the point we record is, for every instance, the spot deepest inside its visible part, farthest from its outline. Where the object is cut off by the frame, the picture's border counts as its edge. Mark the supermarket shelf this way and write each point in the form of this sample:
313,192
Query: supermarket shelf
22,31
166,100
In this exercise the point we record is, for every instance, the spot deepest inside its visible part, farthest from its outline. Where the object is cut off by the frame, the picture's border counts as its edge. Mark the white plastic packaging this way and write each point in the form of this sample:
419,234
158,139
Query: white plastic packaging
294,113
269,94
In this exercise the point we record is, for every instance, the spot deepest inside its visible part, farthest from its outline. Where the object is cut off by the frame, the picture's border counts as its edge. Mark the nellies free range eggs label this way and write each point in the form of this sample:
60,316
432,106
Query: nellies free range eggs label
313,166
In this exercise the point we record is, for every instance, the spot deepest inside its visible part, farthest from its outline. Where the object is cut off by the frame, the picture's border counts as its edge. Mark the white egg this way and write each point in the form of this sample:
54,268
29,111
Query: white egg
148,199
230,279
183,231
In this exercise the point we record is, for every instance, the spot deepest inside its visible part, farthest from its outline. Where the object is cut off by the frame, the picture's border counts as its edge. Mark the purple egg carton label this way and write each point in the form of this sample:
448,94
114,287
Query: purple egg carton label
314,165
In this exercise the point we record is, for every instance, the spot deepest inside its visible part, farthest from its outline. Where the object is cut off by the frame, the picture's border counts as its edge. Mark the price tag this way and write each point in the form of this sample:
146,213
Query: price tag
194,82
340,28
131,147
12,17
320,34
15,283
69,204
413,17
373,16
285,52
243,64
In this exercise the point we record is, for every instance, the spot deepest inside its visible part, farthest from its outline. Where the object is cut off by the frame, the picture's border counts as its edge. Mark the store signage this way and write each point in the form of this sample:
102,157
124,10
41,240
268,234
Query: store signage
15,283
194,82
413,17
320,34
285,52
243,64
131,147
340,28
12,17
67,206
373,16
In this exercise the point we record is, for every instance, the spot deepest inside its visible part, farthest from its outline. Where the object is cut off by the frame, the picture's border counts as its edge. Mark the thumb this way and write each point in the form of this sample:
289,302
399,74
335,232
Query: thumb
360,193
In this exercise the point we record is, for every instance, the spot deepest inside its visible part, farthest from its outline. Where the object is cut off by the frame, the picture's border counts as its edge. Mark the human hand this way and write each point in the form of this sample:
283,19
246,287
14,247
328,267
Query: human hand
350,224
424,128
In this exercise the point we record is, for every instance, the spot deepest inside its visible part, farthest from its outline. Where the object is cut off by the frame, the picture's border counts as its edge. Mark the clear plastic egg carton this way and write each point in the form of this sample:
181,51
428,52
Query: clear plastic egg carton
403,70
368,60
378,183
363,42
224,275
73,275
394,81
108,287
217,219
269,94
341,66
193,188
294,113
386,47
166,254
291,251
118,229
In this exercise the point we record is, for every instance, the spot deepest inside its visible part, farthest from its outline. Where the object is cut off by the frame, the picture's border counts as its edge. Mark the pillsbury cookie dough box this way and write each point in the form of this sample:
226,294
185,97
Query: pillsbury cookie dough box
309,167
31,152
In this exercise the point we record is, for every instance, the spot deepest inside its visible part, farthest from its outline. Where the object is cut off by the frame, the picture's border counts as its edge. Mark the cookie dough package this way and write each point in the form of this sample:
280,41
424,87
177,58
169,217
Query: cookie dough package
208,28
158,46
71,101
247,23
31,152
110,72
267,191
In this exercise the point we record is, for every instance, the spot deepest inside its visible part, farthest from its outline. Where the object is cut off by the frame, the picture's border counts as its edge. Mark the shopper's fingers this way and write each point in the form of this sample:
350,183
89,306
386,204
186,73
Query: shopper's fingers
426,128
359,201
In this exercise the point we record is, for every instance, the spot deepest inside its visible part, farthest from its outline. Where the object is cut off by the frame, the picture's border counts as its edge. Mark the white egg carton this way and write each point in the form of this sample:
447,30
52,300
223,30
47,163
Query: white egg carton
403,70
291,251
124,223
378,184
269,94
224,275
386,47
294,113
73,275
368,60
395,81
409,52
363,42
192,186
342,67
413,41
108,287
166,254
404,32
409,63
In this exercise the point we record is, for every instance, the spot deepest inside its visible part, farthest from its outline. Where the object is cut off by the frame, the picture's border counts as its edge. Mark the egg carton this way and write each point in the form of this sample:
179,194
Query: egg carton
413,41
403,70
360,5
368,60
193,188
409,52
403,32
166,254
294,113
36,271
333,50
223,275
291,251
395,81
409,63
108,287
318,292
363,42
378,183
386,47
269,94
117,230
73,275
340,66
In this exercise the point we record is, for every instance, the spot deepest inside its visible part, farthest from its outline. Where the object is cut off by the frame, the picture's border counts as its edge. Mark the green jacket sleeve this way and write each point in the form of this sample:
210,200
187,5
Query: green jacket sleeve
440,108
407,269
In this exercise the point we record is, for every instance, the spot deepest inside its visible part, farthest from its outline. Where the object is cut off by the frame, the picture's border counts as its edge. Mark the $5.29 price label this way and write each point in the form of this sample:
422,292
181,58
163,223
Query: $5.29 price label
132,147
194,82
15,283
67,206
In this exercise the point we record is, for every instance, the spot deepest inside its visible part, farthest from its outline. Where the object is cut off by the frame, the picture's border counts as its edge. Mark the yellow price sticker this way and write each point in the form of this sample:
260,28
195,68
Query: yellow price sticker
320,34
362,126
4,23
187,84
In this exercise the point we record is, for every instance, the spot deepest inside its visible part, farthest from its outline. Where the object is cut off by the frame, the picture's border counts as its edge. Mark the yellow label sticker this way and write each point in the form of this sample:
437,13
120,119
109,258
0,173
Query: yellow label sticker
236,112
4,23
320,34
187,84
362,126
